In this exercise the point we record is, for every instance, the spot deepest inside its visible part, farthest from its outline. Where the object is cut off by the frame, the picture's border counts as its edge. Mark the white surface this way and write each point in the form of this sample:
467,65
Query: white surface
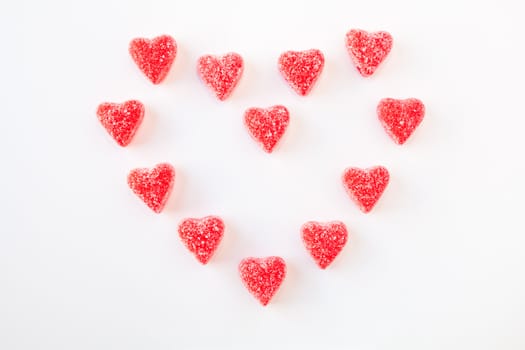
439,263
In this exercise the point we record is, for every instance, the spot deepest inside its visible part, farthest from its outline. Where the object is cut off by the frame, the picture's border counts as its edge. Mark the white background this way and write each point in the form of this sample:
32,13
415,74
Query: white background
438,264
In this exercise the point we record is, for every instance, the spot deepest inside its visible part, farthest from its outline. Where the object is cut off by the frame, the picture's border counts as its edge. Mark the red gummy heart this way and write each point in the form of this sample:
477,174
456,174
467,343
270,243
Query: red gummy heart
324,241
153,186
121,120
202,236
400,117
366,186
262,276
154,56
267,126
221,73
368,50
301,69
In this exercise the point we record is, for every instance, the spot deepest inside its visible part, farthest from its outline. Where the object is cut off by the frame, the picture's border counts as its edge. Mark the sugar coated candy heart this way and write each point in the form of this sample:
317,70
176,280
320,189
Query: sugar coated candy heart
221,73
202,236
153,186
121,120
262,276
301,69
324,241
154,56
400,117
365,186
368,50
267,125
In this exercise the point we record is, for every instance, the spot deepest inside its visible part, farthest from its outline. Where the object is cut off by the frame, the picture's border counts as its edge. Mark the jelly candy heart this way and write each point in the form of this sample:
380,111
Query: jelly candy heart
262,276
301,69
202,236
221,73
153,186
324,241
365,186
154,56
368,50
121,120
267,126
400,117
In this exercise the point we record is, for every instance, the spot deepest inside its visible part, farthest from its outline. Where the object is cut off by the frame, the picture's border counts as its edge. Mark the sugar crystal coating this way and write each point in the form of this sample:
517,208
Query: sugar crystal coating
324,241
202,236
221,73
267,125
400,117
301,69
368,50
365,186
153,186
121,120
154,57
262,276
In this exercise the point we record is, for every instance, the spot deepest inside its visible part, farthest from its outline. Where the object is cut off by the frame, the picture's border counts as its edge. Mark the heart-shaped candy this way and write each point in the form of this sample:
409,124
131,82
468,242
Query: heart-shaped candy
262,276
121,120
153,186
365,186
400,117
221,73
324,241
267,125
368,50
301,69
154,56
202,236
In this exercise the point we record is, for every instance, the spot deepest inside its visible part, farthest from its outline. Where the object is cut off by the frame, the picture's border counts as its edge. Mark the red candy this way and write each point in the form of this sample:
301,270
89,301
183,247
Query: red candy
121,120
400,117
202,236
368,50
221,73
153,186
324,241
366,186
267,126
262,276
154,56
301,69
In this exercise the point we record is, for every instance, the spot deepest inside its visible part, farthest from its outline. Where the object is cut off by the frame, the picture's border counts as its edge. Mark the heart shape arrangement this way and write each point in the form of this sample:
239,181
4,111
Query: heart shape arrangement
121,120
301,69
400,117
262,276
221,73
202,236
153,186
154,57
267,125
324,241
